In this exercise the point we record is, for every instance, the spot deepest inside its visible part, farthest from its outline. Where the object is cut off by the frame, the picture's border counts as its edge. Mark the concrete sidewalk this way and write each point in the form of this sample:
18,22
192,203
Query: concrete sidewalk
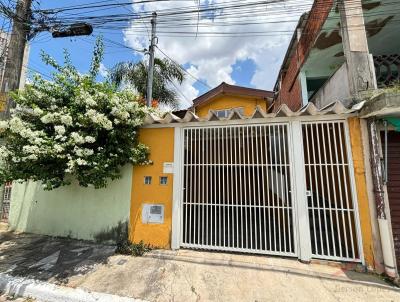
204,276
184,275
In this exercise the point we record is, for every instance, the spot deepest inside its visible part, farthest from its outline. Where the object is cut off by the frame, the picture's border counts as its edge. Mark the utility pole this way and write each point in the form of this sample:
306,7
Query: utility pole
16,51
150,73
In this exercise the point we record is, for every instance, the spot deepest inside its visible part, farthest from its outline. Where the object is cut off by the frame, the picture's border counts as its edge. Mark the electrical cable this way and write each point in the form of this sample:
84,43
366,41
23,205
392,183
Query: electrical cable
183,69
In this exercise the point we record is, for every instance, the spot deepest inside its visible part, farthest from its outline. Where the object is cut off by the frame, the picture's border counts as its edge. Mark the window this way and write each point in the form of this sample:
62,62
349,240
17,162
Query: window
147,180
163,180
224,113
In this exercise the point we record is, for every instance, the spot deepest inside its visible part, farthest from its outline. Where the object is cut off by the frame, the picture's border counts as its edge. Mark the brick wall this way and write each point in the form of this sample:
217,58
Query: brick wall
290,93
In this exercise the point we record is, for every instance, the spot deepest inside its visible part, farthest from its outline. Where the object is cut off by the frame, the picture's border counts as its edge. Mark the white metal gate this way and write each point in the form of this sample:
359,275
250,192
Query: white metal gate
5,201
237,189
333,217
239,194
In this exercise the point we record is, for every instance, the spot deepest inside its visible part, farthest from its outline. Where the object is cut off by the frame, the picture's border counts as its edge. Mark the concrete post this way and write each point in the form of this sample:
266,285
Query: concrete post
355,45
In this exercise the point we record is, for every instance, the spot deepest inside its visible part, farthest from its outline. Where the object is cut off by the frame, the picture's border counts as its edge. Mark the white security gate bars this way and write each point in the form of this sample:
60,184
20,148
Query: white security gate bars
332,215
237,187
5,201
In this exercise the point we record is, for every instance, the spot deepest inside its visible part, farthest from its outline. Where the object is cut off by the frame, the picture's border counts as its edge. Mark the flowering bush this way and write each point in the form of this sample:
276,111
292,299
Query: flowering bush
72,125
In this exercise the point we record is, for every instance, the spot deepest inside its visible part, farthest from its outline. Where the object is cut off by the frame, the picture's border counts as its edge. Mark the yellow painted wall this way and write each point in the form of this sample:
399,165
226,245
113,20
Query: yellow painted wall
161,143
228,102
361,187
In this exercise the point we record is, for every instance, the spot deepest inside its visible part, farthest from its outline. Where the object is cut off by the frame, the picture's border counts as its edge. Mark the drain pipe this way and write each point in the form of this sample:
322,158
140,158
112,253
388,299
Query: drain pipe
378,182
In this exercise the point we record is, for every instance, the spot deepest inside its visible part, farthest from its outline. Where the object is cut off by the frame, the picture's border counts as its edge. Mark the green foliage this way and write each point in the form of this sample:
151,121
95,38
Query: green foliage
134,249
165,74
71,127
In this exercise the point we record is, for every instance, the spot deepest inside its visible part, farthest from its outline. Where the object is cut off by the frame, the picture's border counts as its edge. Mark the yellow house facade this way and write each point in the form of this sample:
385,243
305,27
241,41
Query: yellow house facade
161,142
227,175
226,97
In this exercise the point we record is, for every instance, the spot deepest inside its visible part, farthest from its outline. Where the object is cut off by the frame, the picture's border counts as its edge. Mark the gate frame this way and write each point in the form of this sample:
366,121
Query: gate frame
353,189
292,188
302,239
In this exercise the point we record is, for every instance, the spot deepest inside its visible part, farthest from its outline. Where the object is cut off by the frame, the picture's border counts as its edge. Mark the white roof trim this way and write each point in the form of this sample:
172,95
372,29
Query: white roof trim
284,111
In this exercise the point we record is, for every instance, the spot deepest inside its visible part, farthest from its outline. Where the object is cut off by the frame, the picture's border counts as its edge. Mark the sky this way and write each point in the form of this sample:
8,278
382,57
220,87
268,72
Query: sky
224,49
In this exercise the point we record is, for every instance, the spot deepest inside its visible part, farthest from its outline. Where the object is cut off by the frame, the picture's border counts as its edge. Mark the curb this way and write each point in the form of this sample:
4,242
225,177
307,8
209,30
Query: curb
47,292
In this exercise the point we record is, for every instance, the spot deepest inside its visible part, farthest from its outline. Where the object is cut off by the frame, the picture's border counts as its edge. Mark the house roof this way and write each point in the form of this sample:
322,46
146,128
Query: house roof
226,89
284,111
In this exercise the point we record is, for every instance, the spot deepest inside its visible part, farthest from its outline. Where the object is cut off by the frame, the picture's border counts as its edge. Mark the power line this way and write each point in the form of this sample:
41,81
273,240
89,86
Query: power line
39,72
98,5
104,21
181,93
246,6
123,45
183,69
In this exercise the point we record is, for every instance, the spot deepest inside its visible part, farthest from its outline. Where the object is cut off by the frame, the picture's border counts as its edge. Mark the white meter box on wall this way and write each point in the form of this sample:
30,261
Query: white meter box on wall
153,213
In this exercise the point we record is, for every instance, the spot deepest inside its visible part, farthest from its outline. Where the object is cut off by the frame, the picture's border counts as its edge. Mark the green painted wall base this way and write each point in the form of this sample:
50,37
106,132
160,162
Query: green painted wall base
72,211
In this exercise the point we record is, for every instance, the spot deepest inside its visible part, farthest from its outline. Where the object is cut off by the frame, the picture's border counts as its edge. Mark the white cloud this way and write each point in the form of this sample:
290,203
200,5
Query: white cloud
212,58
187,91
103,70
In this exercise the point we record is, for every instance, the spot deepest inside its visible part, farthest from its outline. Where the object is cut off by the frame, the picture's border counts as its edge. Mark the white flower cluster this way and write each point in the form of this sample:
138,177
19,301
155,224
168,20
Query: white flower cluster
77,138
58,148
83,152
52,117
49,118
85,98
60,130
32,152
37,111
99,119
4,153
125,110
34,137
90,139
3,124
16,125
66,120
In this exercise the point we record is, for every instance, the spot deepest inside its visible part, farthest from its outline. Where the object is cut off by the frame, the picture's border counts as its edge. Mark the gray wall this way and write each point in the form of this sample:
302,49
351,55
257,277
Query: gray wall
335,89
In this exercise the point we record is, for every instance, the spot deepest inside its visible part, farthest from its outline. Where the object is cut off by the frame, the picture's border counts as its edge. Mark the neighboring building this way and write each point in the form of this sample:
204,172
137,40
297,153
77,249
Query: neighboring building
343,51
334,50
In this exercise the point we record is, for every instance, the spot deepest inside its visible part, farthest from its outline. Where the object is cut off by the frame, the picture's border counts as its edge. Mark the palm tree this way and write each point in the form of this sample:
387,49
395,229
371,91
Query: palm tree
166,73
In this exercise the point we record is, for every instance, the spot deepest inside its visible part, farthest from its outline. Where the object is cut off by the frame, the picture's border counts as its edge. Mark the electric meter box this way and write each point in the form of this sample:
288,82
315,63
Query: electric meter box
152,213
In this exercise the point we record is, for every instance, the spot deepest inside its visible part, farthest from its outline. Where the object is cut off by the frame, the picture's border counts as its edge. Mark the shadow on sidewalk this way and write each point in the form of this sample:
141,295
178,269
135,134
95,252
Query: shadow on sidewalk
49,259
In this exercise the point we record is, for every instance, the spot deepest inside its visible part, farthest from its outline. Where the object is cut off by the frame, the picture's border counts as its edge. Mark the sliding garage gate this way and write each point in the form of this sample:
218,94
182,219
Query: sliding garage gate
237,189
238,186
